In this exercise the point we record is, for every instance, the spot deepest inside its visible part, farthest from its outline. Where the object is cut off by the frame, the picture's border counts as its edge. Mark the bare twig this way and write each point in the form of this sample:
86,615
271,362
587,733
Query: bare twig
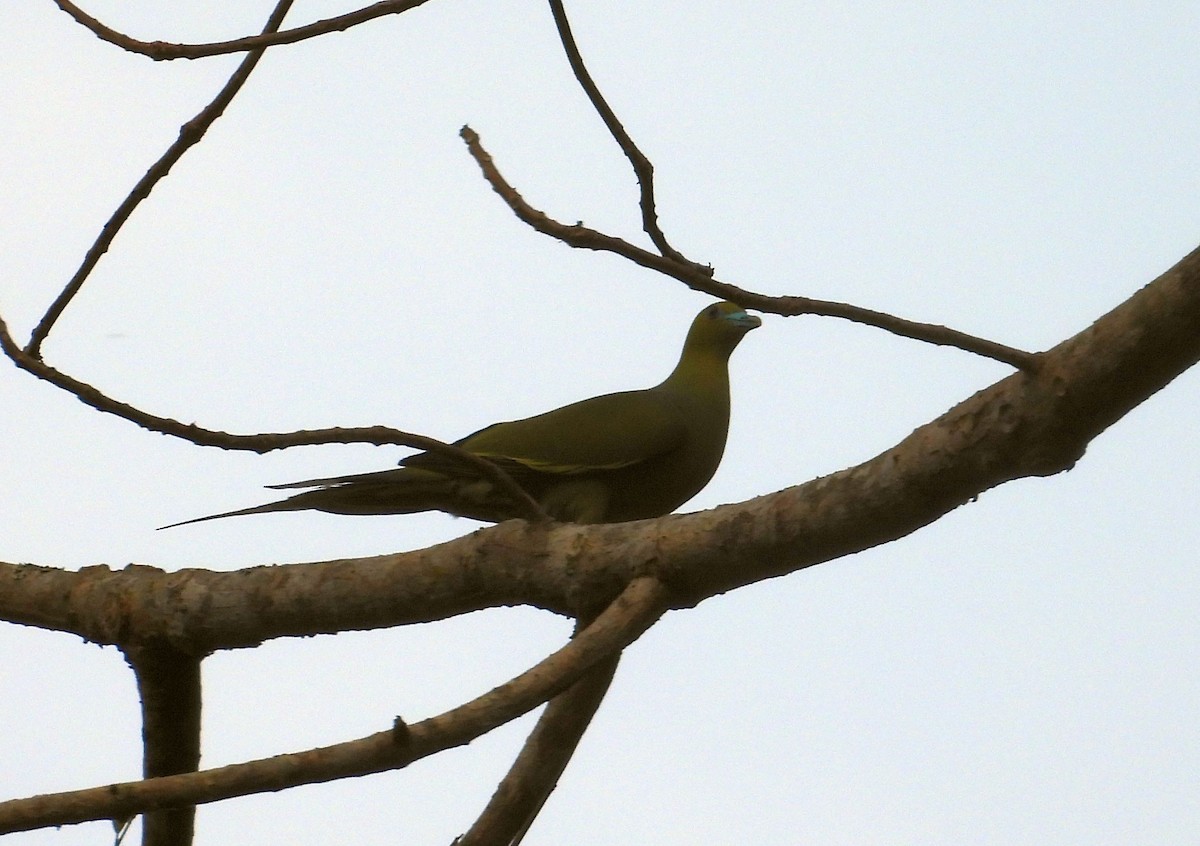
583,237
160,50
265,442
643,168
189,135
528,784
626,618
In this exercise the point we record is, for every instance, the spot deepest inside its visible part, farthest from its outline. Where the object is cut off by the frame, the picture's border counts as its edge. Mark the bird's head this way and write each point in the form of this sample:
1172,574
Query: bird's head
720,326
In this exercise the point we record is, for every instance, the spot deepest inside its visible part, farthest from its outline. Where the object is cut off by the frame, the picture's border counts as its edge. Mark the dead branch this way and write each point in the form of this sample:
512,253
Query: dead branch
168,680
1024,425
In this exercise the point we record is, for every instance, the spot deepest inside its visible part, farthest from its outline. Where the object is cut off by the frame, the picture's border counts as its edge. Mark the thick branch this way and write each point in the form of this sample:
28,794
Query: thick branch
169,688
1025,425
634,611
701,279
159,50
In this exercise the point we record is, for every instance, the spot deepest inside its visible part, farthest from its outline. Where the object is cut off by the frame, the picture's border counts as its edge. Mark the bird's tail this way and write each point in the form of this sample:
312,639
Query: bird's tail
403,490
283,505
398,475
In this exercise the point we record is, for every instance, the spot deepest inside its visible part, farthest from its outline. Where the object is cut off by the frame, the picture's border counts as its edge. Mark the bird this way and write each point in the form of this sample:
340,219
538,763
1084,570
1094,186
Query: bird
625,456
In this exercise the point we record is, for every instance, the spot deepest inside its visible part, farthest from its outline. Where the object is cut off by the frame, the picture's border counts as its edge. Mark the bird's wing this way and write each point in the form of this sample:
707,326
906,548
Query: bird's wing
603,433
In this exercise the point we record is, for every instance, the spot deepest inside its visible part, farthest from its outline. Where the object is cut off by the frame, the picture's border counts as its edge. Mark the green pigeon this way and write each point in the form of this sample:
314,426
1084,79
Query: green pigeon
625,456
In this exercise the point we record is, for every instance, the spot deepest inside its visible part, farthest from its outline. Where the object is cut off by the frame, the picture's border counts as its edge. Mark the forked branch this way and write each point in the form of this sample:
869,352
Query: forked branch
671,262
29,358
643,168
533,776
190,134
583,237
637,608
168,680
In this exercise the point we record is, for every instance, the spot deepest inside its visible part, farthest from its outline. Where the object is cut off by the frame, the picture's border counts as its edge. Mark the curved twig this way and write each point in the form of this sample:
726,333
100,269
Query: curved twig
267,441
189,135
165,50
641,603
583,237
643,168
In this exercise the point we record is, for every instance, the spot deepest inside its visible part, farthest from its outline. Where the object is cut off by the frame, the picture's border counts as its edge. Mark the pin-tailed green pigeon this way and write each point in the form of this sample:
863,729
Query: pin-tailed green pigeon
624,456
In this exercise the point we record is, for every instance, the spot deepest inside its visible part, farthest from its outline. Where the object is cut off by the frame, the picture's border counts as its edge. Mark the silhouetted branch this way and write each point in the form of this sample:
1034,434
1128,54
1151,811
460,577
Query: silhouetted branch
189,135
622,622
265,442
160,50
583,237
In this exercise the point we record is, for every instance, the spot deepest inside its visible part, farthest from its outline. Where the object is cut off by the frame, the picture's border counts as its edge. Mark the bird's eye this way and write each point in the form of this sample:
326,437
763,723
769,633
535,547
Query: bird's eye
712,312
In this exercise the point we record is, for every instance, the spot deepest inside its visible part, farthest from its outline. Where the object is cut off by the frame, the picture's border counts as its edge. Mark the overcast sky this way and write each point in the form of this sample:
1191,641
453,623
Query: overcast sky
1022,671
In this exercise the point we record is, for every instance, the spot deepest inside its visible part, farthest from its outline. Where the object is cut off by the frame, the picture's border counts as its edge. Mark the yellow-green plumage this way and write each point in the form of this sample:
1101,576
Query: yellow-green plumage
617,457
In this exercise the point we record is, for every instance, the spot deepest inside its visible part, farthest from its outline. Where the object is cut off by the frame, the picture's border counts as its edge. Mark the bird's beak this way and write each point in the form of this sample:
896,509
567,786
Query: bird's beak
744,320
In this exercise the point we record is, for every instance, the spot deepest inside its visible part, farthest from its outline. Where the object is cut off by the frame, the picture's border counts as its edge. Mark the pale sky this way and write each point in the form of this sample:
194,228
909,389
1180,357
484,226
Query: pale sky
1022,671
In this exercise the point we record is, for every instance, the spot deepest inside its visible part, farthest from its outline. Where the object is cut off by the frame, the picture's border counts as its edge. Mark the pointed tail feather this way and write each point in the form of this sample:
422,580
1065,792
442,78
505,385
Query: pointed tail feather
401,491
283,505
396,475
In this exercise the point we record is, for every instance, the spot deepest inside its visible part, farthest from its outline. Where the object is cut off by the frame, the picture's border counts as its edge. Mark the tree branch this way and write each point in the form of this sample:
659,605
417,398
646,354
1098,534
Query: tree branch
267,441
168,680
637,607
1025,425
643,168
701,279
160,50
190,134
528,784
169,688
